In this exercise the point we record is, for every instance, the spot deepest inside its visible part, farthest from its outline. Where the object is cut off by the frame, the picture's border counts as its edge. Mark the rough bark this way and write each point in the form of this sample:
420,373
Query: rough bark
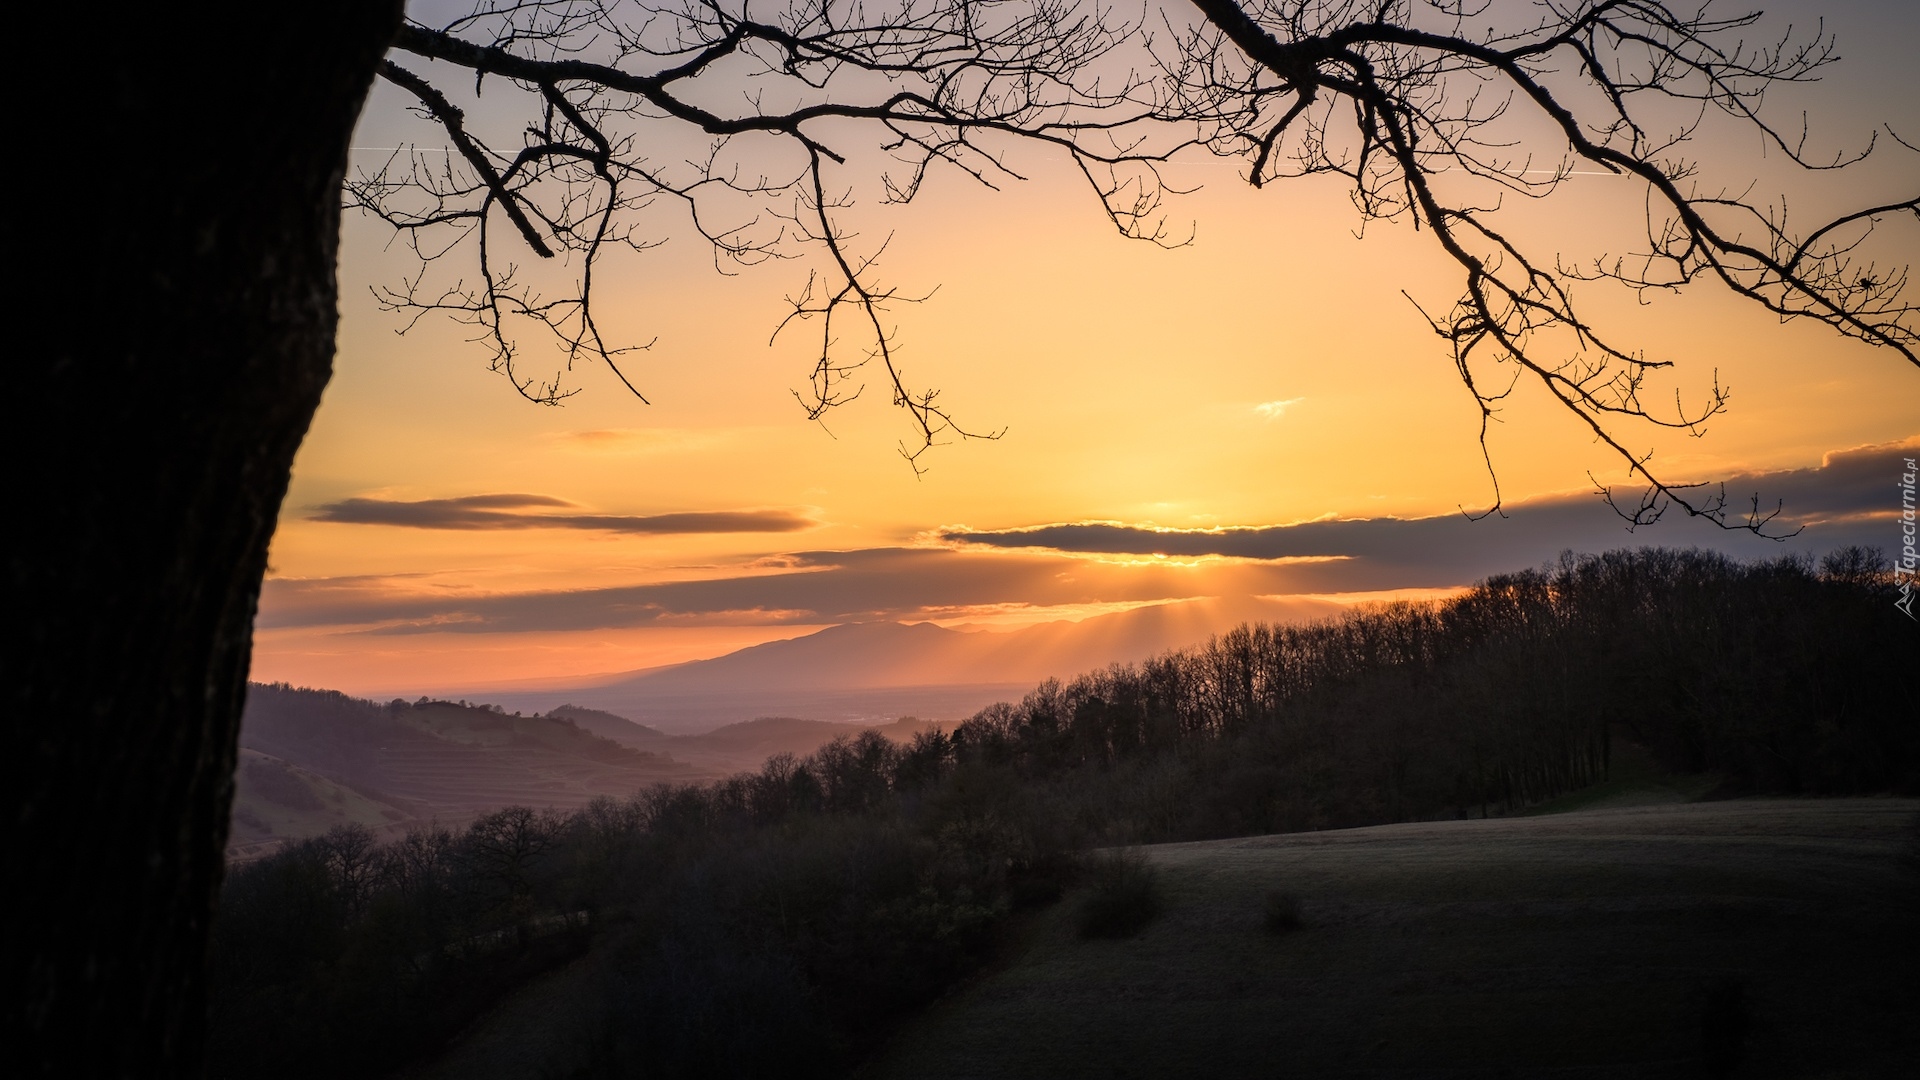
176,227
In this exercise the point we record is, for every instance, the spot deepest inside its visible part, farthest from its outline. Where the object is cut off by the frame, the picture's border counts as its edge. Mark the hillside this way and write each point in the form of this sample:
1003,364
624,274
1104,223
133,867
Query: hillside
313,759
274,800
745,746
737,747
608,726
1583,944
310,749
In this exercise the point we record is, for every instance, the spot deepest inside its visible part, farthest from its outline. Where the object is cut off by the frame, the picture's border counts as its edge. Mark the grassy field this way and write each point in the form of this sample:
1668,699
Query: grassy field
1602,942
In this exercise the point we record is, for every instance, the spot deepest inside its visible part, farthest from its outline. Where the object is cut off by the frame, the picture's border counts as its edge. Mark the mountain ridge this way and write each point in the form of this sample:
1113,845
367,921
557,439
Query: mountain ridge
875,671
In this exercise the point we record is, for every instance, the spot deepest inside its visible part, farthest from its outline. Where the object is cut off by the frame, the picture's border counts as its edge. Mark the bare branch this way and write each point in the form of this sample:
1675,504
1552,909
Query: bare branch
1429,110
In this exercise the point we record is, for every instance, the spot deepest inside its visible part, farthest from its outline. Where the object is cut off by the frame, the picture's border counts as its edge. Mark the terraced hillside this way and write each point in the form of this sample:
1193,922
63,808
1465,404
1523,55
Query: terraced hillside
414,761
275,799
331,759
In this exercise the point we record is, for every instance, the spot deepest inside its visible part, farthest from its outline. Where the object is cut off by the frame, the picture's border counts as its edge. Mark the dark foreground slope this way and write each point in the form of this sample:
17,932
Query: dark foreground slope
1603,943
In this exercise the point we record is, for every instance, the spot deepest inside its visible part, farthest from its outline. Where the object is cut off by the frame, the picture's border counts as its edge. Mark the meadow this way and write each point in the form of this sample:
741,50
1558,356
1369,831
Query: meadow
1770,937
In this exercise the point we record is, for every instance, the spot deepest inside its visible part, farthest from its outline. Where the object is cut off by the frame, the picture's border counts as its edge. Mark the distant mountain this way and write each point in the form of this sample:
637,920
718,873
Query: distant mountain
748,744
871,672
737,747
873,655
854,656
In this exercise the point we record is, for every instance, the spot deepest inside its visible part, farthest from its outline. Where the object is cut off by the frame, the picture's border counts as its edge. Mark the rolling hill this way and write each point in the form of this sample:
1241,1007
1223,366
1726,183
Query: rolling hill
1637,940
274,800
314,759
1597,943
738,747
317,758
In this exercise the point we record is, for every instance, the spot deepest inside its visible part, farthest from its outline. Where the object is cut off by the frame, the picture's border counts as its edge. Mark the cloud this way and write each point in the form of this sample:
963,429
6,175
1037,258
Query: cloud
1272,410
1850,498
1848,485
510,511
814,587
1845,500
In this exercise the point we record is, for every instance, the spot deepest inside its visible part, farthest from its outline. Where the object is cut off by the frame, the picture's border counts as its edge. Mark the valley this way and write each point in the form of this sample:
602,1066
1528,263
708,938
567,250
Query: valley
312,760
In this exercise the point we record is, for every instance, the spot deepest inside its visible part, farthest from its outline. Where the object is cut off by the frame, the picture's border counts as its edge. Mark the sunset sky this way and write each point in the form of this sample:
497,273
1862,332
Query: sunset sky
444,535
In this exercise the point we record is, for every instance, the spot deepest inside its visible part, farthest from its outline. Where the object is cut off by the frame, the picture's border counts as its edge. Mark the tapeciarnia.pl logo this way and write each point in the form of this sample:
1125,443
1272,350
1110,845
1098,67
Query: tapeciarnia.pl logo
1909,561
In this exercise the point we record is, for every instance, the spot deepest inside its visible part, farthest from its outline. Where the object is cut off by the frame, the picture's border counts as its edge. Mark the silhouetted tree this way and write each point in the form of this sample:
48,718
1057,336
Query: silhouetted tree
182,284
181,219
505,850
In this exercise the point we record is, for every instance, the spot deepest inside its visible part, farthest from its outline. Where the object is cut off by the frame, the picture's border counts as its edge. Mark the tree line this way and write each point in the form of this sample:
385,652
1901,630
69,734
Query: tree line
1777,676
780,922
774,923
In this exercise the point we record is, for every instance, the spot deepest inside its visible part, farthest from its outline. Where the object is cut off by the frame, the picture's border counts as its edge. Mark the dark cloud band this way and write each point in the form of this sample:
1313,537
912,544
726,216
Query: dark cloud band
509,511
1850,498
1848,487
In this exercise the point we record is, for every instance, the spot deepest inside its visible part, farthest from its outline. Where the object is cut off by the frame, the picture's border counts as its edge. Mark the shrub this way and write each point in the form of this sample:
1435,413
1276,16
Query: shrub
1281,914
1125,895
1041,880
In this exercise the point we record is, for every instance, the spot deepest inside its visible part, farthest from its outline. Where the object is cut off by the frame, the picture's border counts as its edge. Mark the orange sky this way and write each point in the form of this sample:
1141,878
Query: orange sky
1270,373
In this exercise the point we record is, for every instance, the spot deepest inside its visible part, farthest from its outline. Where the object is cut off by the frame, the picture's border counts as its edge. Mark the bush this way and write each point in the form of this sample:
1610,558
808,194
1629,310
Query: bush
1282,913
1125,896
1042,880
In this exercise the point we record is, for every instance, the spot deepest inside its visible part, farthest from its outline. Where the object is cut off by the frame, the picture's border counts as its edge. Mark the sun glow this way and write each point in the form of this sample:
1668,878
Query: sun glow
1273,375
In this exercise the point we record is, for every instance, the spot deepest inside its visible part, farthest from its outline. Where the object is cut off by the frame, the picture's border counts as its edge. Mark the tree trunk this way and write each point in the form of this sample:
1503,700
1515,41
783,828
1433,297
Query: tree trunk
177,228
